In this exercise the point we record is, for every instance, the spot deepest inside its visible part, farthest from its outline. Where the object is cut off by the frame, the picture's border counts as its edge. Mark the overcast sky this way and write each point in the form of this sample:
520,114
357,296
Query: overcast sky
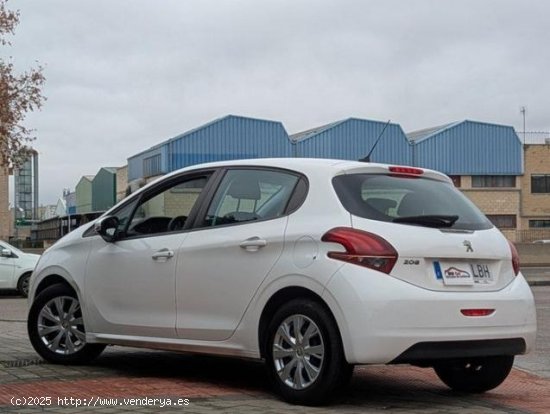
122,76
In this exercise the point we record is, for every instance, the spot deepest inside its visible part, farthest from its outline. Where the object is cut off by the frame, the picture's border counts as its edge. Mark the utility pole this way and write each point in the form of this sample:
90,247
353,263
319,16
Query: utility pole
523,111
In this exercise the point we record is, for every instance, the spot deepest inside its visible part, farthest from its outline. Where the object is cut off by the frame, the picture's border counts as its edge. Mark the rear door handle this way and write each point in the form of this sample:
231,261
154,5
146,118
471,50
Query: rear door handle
253,244
163,254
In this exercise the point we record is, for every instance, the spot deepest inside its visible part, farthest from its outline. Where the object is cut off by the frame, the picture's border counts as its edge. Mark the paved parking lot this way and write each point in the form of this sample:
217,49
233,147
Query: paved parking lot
204,384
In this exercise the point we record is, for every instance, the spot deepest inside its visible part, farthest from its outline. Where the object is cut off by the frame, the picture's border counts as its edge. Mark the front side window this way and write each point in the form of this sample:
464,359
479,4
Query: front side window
164,211
419,201
250,195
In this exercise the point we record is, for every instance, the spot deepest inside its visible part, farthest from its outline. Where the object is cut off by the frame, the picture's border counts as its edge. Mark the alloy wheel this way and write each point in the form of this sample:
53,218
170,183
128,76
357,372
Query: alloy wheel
298,351
60,325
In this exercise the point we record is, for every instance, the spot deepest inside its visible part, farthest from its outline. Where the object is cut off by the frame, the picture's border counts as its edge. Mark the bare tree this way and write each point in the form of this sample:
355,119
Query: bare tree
20,93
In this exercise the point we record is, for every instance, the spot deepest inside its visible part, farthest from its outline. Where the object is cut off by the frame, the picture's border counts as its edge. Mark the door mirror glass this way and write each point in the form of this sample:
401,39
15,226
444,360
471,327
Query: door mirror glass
107,227
5,253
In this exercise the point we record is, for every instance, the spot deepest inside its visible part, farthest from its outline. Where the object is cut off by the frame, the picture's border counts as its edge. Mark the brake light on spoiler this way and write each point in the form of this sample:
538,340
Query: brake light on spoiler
406,170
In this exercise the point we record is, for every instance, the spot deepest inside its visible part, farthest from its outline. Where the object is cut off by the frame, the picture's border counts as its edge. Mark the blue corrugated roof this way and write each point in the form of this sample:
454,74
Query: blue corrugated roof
470,148
228,137
429,132
353,139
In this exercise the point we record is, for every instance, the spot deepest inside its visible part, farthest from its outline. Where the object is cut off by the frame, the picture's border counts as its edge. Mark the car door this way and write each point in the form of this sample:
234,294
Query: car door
130,284
237,242
7,269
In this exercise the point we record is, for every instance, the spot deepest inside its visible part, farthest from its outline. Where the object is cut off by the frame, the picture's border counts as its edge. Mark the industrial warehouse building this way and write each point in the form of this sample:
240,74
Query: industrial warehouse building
509,182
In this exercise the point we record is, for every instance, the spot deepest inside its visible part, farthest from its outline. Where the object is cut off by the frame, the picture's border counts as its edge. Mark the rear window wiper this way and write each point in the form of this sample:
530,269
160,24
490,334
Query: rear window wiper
428,220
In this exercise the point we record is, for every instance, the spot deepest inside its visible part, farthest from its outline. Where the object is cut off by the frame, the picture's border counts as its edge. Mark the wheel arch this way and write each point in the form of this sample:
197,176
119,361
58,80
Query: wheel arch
282,296
50,280
21,275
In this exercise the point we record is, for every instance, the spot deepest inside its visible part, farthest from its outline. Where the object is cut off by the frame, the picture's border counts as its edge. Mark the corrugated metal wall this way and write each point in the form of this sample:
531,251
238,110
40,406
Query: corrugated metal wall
229,138
136,162
465,148
104,189
83,194
353,138
471,148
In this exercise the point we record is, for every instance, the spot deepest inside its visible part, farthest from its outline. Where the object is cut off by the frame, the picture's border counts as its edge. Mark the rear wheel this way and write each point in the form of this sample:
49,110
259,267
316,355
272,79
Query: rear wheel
56,327
23,285
304,353
475,375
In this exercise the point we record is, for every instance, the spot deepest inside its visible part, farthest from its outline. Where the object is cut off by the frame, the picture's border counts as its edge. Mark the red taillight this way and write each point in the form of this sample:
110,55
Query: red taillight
515,257
406,170
362,248
477,312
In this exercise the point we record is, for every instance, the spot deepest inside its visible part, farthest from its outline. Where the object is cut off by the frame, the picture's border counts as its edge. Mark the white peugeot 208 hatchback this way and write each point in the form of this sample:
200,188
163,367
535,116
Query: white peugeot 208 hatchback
311,265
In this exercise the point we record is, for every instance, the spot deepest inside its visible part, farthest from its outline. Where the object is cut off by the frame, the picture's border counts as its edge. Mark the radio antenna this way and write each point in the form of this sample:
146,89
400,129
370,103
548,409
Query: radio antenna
367,158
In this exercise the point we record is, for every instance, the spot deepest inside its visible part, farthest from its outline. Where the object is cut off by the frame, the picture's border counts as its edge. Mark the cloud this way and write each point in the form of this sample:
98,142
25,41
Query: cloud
125,75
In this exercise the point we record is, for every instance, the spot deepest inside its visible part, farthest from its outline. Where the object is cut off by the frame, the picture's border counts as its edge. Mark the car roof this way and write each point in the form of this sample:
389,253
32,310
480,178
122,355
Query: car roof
307,166
311,165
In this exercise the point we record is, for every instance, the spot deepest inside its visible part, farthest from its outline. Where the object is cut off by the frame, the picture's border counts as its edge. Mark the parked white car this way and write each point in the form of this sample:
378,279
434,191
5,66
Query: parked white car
16,268
311,265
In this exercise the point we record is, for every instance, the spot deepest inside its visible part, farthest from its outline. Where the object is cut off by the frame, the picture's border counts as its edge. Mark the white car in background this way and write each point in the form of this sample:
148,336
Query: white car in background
16,268
311,265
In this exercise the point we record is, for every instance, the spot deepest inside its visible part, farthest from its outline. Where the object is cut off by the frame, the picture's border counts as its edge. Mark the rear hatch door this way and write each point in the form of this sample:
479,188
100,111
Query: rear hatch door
442,240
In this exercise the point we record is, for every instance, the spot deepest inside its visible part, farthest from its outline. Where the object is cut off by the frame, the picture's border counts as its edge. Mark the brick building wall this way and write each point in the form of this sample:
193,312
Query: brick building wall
121,182
535,206
493,200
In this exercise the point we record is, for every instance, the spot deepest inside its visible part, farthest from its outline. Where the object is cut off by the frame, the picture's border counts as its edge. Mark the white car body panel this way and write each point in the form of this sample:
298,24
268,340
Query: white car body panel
12,268
217,278
209,297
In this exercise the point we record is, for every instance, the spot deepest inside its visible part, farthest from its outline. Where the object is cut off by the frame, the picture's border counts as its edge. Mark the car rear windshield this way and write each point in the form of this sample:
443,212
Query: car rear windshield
408,200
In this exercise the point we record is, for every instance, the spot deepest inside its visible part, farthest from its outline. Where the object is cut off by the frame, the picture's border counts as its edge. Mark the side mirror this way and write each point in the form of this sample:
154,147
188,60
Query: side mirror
5,253
107,227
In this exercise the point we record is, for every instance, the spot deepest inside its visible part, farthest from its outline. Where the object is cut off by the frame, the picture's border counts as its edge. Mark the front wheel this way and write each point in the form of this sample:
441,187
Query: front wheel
304,353
56,328
23,285
475,375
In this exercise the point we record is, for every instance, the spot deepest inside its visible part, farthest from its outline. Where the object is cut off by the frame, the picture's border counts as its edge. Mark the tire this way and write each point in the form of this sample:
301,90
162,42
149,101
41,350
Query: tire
60,340
310,371
475,375
23,285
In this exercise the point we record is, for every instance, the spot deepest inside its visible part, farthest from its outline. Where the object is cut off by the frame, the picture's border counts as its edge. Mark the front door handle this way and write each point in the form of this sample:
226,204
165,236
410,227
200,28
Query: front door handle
253,244
163,254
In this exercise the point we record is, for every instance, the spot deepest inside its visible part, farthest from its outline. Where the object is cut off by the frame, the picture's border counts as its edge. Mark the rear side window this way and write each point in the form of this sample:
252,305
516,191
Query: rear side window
389,198
250,195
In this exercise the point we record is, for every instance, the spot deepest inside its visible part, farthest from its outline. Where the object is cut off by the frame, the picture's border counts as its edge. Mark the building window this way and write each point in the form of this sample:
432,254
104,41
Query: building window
456,180
537,224
540,183
503,221
152,166
481,181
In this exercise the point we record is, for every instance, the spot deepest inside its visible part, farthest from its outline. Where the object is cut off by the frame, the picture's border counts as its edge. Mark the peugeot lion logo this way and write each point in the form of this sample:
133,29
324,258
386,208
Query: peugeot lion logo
468,245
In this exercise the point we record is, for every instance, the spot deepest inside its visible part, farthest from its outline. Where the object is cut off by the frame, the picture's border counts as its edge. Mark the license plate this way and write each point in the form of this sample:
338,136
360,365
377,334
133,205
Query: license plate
463,274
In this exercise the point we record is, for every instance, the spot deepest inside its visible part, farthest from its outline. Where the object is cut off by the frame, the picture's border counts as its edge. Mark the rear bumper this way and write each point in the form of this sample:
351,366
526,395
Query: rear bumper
424,353
386,320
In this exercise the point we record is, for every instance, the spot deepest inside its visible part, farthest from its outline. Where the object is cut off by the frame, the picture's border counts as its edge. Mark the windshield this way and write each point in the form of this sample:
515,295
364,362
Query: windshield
406,200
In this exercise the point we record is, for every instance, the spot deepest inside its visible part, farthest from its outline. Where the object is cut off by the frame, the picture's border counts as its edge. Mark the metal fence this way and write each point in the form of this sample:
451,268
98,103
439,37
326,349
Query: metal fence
528,236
